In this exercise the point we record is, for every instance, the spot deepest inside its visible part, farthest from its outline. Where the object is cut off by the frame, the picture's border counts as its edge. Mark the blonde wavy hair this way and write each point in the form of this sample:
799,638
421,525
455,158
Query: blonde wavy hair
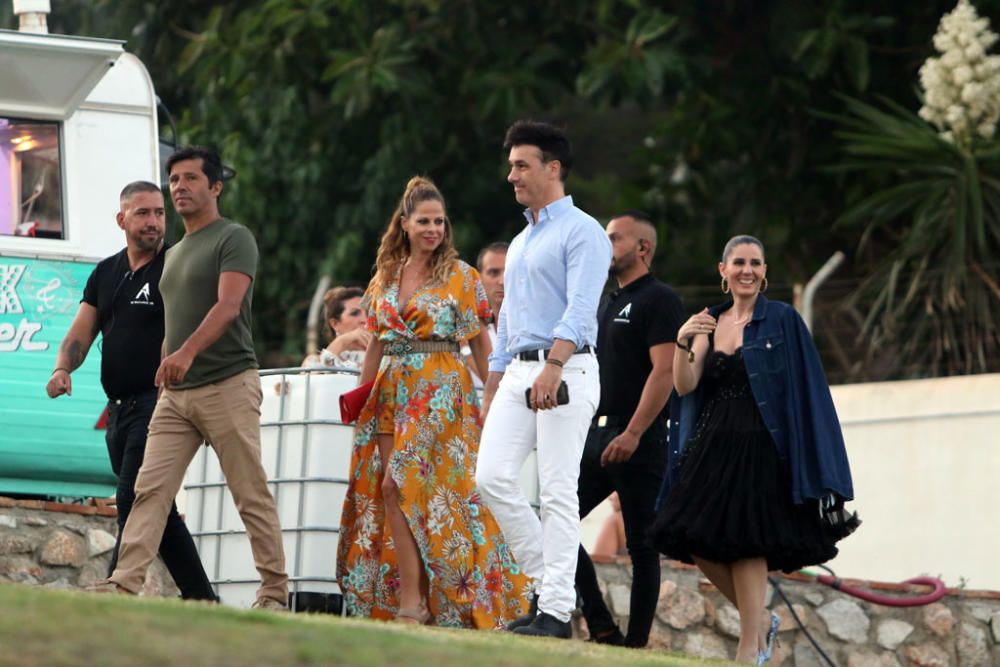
394,249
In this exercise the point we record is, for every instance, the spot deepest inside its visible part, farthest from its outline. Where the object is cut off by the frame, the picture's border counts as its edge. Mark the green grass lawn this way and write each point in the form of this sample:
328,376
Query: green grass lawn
53,628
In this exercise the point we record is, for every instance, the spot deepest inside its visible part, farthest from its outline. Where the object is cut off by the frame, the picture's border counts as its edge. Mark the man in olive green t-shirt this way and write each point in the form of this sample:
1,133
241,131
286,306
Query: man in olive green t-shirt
210,389
200,259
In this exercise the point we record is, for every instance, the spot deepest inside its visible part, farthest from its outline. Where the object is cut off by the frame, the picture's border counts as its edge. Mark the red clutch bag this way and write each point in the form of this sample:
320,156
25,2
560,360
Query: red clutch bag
352,401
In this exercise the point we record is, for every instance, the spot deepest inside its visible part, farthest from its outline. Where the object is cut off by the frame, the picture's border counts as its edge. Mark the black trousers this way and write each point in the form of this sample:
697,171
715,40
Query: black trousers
637,482
128,425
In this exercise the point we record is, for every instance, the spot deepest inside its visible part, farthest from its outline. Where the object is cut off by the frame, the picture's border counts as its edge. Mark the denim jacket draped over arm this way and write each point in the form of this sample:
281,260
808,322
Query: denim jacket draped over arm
794,400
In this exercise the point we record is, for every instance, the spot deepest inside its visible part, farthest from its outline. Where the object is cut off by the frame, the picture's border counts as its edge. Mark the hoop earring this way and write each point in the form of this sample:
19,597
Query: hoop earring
763,284
406,237
725,286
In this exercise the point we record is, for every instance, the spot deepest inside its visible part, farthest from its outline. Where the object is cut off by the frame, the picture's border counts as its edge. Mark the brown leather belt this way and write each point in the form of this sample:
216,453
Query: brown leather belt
398,347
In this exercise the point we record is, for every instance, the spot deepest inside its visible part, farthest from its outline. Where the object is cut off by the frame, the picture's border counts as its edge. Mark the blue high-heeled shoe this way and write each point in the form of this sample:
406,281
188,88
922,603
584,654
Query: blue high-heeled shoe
772,634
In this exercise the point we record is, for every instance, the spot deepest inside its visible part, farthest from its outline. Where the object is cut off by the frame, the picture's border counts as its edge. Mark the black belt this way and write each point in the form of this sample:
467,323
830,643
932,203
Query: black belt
134,397
542,355
608,421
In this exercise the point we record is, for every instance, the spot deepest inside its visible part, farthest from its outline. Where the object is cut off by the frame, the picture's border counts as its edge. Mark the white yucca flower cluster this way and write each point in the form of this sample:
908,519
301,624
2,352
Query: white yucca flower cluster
962,86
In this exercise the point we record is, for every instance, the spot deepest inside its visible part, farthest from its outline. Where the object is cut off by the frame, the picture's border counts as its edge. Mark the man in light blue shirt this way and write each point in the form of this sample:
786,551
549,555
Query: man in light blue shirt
546,335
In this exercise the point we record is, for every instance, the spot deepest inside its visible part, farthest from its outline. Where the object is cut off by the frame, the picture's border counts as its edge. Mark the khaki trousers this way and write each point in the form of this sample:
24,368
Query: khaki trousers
225,415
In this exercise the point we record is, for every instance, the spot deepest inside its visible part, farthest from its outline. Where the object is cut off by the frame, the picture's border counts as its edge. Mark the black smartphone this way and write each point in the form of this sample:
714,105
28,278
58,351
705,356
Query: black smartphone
562,395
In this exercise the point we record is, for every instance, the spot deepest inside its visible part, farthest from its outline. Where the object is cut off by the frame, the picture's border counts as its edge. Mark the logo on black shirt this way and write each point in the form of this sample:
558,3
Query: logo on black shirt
625,313
142,296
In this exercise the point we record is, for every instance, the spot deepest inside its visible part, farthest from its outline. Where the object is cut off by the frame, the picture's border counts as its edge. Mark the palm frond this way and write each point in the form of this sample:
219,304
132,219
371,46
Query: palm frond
931,217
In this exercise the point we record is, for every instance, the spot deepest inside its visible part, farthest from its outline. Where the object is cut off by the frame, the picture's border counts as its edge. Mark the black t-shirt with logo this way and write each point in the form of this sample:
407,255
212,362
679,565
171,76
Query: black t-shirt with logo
644,313
130,317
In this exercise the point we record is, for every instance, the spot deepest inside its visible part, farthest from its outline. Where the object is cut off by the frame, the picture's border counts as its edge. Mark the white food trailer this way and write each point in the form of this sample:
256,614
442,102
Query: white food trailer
77,122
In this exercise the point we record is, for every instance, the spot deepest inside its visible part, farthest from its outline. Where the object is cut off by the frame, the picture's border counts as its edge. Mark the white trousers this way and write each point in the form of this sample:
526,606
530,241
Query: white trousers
545,549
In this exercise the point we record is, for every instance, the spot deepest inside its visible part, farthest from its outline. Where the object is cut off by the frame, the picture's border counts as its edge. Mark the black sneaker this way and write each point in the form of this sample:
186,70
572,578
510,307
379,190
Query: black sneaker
612,638
522,621
545,625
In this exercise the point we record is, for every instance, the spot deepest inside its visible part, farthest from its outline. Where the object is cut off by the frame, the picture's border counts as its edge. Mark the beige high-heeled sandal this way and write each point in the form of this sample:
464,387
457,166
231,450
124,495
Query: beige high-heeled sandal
419,615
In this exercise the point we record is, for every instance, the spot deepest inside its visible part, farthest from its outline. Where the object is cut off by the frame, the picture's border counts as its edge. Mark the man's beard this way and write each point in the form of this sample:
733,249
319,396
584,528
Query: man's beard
145,244
621,265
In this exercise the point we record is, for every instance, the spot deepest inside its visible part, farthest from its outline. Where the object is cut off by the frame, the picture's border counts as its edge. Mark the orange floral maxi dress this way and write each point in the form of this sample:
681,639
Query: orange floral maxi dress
428,402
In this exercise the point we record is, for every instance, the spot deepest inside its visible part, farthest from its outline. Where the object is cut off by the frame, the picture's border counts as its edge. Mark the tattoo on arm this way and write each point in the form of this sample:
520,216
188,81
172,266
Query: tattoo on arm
74,353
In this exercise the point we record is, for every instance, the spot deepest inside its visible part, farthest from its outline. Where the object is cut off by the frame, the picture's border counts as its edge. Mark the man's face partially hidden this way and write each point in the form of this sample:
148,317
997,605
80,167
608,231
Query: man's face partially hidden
492,277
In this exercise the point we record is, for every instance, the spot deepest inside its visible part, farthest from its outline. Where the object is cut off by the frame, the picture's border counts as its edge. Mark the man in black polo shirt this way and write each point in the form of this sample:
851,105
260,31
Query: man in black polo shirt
627,443
122,301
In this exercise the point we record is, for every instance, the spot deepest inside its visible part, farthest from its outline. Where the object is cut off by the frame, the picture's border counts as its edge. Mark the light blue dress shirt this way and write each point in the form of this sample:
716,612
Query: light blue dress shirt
555,272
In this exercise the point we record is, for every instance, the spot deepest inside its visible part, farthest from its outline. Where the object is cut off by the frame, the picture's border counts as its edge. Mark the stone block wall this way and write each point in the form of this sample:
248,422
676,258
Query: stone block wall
64,546
69,546
961,630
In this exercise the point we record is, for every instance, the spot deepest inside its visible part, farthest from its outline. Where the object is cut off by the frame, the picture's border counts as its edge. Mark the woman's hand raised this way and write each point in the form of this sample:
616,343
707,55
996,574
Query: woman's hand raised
352,340
699,323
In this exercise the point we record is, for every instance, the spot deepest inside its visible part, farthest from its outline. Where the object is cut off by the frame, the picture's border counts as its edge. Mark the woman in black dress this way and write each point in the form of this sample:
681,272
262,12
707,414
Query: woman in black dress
746,480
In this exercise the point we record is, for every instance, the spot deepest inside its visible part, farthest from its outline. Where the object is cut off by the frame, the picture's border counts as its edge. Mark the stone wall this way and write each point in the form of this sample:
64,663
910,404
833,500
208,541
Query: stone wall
69,546
64,546
961,630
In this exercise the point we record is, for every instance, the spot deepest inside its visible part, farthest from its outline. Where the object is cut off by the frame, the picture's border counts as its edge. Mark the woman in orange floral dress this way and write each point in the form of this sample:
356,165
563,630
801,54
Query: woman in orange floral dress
416,541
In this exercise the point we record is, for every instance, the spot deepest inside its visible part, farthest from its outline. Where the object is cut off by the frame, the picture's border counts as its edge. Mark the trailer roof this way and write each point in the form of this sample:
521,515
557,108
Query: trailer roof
48,76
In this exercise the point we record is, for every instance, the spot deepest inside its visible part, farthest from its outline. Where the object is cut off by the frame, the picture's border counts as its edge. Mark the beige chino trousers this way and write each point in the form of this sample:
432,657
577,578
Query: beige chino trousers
226,416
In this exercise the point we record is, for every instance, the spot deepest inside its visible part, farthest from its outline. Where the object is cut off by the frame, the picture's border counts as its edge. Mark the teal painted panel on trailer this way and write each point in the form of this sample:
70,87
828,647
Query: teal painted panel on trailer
47,446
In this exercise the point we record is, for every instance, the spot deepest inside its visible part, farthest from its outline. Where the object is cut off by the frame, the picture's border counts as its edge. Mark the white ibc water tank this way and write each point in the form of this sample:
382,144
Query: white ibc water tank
306,453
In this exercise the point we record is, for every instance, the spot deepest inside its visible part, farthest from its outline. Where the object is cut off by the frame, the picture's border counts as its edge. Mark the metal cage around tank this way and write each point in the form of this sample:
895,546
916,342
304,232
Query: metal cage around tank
306,453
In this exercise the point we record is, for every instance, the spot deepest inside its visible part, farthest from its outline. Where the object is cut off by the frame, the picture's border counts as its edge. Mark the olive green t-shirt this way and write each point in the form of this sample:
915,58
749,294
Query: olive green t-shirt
190,287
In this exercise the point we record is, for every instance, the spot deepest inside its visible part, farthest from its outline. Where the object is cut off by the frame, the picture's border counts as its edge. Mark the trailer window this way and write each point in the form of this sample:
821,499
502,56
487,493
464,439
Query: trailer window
30,179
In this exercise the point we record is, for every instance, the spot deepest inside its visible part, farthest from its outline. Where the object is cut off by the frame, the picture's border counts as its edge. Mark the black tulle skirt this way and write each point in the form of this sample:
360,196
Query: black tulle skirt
732,498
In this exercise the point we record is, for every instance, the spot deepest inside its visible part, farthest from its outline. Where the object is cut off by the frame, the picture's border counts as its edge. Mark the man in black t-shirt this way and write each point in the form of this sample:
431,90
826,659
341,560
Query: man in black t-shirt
626,446
122,301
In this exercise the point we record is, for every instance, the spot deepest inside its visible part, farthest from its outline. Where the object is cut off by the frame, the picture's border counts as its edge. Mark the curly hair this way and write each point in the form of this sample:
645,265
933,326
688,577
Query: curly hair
394,249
